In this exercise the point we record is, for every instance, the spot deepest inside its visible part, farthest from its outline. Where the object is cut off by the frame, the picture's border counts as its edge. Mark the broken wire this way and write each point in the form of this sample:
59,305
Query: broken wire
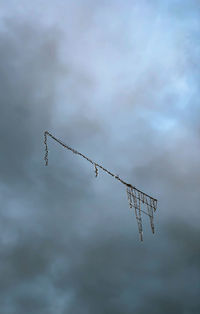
135,197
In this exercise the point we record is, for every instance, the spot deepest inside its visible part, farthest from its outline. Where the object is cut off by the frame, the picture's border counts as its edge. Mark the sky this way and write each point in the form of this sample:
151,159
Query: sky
119,82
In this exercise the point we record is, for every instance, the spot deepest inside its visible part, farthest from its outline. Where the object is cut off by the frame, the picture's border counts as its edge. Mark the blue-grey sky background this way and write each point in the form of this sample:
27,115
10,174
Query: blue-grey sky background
118,81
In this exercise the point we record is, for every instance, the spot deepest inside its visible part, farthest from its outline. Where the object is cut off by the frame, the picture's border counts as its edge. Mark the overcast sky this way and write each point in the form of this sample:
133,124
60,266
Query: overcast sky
118,81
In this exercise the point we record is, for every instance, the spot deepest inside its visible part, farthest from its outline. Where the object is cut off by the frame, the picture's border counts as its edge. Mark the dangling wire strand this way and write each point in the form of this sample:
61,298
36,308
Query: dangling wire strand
46,149
129,197
96,170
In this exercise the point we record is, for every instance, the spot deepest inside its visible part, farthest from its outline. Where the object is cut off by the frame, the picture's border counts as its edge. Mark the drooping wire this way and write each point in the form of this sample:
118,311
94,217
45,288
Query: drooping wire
96,170
135,196
46,149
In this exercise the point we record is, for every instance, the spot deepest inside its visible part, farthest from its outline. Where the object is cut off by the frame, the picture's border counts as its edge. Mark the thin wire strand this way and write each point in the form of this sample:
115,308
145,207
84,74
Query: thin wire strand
152,200
46,149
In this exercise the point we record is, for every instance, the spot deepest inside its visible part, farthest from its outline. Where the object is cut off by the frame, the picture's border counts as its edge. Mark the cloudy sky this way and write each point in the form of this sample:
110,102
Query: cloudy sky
118,81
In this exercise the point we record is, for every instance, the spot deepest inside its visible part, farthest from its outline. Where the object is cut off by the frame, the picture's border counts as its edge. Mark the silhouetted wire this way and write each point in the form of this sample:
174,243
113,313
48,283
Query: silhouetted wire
135,197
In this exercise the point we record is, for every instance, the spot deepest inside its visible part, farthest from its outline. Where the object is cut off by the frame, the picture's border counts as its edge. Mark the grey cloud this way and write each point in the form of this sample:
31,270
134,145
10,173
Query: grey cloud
68,241
138,278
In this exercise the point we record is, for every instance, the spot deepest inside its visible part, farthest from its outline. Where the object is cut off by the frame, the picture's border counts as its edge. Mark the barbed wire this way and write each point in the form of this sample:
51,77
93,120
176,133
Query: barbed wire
135,196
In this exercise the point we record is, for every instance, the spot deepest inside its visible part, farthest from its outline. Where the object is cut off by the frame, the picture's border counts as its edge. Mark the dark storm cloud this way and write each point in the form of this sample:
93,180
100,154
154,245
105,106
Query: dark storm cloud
31,195
138,278
28,74
69,243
